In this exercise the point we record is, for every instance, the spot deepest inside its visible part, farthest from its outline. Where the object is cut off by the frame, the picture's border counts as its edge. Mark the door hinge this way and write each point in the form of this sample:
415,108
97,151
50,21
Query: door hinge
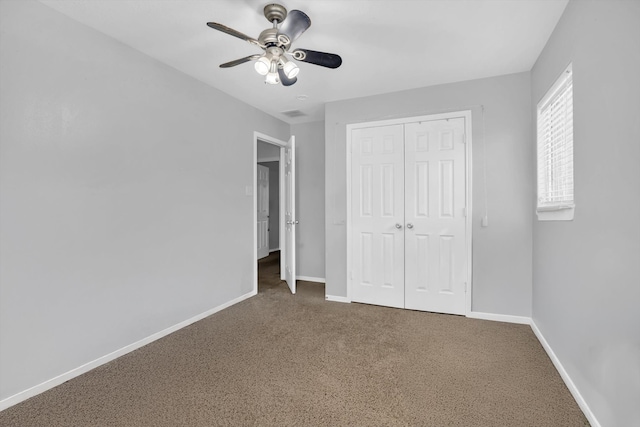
464,138
465,287
464,212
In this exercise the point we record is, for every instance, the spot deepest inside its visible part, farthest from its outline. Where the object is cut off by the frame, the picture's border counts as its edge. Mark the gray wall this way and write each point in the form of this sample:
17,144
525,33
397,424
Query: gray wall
113,213
586,273
501,252
274,204
310,198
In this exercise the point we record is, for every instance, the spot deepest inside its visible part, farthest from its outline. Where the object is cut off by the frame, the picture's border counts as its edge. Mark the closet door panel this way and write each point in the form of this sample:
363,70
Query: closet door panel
435,194
377,209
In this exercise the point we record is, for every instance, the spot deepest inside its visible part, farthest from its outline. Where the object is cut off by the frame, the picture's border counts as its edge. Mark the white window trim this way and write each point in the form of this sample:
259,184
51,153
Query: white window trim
562,211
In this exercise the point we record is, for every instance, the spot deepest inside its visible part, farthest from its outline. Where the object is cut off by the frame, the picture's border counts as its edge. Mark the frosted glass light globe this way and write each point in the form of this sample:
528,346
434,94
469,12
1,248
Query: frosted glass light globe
262,66
272,79
290,69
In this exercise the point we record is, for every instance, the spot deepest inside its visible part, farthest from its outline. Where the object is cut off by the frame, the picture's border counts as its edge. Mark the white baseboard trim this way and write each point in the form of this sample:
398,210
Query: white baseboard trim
565,377
311,279
500,317
274,250
336,298
49,384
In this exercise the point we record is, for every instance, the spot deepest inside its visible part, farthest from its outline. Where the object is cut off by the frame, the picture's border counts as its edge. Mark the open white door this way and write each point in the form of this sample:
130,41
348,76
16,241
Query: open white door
290,214
262,186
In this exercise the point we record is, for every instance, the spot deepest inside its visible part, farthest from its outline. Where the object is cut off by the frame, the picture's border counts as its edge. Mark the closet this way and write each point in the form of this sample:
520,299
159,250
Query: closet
408,226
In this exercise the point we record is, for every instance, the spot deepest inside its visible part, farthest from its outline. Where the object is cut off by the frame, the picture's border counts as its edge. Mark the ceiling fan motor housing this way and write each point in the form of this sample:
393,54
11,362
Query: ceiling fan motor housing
270,38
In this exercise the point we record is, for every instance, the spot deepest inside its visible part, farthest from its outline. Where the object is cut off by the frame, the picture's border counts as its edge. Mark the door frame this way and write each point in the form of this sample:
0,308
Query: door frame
466,114
257,136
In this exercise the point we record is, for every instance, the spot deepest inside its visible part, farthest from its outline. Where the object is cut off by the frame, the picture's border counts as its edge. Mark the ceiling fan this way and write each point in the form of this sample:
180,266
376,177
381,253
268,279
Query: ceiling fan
276,42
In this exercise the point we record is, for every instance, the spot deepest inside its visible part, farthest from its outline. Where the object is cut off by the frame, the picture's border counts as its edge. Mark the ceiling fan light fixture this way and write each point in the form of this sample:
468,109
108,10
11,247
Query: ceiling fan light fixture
263,65
272,79
272,76
290,69
276,42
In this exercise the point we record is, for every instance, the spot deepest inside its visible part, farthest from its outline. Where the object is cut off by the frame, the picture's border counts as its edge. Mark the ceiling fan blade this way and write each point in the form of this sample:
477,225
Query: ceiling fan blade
233,32
240,61
295,24
286,81
329,60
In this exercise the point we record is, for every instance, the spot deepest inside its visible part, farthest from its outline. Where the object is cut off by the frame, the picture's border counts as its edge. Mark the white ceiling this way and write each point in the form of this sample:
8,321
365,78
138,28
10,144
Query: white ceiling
386,46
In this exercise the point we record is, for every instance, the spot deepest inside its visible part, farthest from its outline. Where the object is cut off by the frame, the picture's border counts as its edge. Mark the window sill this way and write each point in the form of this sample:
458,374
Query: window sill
556,213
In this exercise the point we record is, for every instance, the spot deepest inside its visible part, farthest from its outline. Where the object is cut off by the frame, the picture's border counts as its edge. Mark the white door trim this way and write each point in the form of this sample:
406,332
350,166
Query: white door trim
466,114
257,136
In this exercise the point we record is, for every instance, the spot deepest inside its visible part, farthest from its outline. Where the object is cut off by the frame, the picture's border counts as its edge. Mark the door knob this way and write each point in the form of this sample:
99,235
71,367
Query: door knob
398,226
409,225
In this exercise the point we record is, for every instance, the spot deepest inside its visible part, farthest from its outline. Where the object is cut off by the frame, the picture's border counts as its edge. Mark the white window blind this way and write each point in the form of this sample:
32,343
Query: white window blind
555,146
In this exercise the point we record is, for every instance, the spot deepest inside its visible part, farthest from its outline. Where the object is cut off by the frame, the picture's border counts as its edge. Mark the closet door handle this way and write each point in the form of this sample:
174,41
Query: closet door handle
398,226
409,226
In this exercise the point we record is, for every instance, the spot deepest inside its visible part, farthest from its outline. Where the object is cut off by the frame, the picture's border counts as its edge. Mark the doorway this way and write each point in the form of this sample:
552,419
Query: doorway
409,229
268,198
282,152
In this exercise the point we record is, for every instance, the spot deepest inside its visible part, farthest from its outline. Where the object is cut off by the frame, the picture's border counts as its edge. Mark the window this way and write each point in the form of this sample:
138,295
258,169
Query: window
555,151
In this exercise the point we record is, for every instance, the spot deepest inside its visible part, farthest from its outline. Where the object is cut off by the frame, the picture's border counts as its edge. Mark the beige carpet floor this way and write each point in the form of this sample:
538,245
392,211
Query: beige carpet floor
297,360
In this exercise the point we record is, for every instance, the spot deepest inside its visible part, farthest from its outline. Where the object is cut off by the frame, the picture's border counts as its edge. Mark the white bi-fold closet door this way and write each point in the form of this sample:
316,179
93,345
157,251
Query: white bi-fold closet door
408,215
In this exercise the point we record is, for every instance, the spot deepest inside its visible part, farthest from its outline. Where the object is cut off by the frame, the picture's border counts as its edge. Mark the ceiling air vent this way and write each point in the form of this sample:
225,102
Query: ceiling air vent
293,113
